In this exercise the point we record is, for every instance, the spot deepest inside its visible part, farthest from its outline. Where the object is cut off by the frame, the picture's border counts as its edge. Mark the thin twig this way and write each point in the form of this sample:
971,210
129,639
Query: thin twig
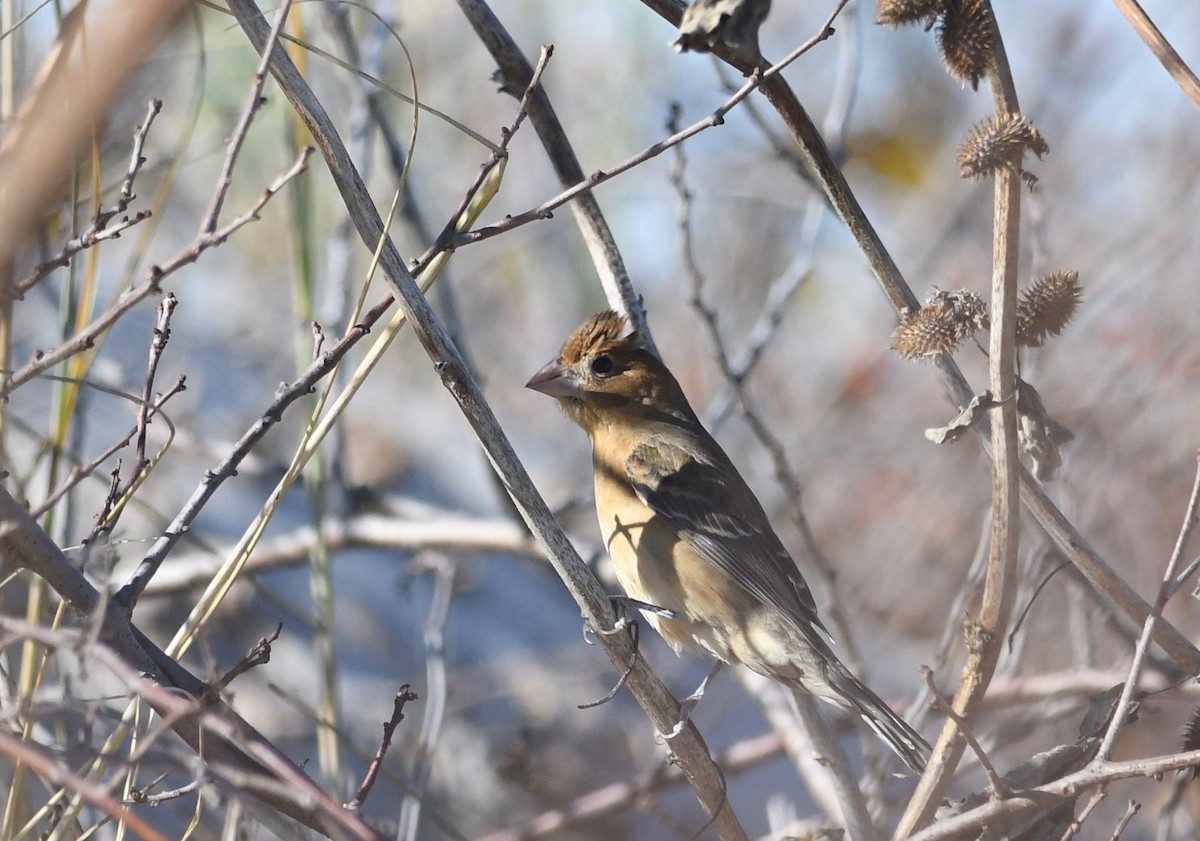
1077,822
257,656
1132,809
24,753
139,795
100,229
444,570
1162,49
238,756
137,159
110,501
830,754
162,334
618,797
996,812
73,246
403,696
662,709
1164,593
80,472
234,145
997,785
1187,573
716,118
87,337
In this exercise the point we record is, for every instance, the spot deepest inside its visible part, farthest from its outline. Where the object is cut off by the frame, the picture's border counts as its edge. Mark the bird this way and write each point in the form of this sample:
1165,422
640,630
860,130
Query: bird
707,23
692,546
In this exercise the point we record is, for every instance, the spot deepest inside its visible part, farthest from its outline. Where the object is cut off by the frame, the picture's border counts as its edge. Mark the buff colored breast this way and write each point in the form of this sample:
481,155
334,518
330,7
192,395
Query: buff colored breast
652,564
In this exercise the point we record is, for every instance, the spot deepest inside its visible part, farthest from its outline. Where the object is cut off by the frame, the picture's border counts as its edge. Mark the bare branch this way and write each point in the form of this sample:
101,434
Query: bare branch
1162,49
663,710
234,146
818,159
24,753
259,655
999,585
517,78
995,812
87,337
997,785
403,696
443,531
80,472
615,798
444,570
237,756
1164,593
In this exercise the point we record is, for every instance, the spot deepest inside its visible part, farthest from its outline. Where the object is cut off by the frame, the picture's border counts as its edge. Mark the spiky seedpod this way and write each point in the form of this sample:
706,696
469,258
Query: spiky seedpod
966,37
941,325
998,143
926,333
895,13
1045,307
1190,738
967,309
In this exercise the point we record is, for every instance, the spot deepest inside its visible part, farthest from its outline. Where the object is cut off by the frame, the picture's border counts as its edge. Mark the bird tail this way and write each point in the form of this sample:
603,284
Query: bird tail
897,733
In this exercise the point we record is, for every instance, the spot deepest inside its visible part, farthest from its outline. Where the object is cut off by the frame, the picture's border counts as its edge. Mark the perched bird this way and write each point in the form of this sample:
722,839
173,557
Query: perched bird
687,535
706,23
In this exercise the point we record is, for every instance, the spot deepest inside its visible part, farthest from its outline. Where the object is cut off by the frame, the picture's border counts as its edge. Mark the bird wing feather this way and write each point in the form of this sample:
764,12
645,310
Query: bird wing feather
712,509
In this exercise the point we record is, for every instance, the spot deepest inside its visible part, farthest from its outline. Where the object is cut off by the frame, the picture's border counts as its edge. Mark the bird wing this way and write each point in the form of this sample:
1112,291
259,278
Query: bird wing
713,510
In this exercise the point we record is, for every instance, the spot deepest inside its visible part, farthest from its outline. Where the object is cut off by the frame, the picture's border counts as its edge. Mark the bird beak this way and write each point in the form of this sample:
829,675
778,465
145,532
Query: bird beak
556,380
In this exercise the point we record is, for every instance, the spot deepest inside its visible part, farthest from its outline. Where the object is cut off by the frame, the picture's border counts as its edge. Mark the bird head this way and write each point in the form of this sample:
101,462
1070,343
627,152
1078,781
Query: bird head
604,370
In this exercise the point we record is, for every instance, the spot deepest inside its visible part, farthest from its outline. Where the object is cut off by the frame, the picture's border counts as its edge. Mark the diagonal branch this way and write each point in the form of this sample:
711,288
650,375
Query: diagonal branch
515,73
1161,47
238,755
662,709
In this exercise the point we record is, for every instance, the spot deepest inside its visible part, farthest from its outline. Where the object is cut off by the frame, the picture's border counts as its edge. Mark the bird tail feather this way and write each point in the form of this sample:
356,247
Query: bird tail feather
897,733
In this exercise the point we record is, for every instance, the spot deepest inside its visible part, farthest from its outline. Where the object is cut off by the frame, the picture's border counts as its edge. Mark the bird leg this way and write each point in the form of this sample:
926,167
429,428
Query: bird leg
689,703
624,607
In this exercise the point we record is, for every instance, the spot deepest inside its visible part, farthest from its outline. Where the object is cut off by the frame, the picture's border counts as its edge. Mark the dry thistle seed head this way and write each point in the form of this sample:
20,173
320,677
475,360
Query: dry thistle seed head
1045,307
966,308
895,13
998,143
966,38
926,333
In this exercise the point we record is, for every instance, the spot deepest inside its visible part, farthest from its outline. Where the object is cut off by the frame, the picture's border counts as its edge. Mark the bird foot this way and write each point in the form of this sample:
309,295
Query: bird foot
688,704
626,609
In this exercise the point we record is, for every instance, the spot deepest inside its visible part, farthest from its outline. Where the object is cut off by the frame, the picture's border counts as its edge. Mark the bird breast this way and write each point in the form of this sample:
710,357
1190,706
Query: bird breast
655,566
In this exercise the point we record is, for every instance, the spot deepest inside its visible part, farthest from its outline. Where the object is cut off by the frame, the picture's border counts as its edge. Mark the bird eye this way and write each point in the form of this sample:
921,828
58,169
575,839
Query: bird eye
602,366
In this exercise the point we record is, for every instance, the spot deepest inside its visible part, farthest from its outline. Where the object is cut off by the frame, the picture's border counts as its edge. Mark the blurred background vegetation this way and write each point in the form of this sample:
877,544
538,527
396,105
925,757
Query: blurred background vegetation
397,559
